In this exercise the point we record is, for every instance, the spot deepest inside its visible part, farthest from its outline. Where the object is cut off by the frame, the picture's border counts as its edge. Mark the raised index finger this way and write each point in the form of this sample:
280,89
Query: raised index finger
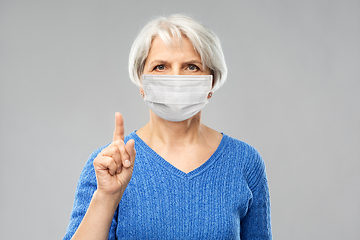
119,127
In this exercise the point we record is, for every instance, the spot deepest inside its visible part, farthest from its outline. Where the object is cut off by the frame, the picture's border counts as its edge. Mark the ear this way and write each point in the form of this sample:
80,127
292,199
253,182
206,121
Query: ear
209,95
142,92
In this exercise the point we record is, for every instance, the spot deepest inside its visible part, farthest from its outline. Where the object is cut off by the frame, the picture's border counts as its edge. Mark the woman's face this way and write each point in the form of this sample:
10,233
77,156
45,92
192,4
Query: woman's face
178,60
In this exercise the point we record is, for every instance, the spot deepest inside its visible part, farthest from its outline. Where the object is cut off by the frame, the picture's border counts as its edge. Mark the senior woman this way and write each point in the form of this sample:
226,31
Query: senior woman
174,178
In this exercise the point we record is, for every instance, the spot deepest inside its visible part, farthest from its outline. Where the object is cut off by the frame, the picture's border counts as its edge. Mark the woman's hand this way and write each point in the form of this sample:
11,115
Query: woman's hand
113,168
115,163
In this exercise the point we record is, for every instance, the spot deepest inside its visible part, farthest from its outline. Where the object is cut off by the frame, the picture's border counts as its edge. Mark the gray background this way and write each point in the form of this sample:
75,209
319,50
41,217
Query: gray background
292,92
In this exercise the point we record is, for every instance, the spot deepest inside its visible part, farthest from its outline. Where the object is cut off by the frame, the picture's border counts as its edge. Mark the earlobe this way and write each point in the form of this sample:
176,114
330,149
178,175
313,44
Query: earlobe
142,92
209,95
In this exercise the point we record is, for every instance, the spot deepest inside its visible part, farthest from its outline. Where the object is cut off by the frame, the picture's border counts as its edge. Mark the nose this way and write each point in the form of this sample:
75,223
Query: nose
176,69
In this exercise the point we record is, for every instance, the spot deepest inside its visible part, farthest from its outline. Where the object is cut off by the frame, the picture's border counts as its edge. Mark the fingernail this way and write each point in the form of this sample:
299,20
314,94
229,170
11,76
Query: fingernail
127,163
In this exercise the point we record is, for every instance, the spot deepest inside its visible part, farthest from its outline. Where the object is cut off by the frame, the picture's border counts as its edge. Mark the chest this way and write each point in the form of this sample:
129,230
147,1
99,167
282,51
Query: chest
186,159
160,203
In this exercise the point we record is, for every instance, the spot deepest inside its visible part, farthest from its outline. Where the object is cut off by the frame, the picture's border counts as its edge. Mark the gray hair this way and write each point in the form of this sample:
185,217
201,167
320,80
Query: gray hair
204,41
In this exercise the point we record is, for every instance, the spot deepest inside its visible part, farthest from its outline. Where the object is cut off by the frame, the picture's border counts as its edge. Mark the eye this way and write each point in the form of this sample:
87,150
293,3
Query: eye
193,67
160,67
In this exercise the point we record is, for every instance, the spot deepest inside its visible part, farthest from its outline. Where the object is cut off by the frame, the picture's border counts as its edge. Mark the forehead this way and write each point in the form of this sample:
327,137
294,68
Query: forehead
178,47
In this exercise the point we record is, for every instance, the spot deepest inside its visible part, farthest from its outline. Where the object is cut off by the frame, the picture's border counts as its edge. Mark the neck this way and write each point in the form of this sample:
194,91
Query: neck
168,133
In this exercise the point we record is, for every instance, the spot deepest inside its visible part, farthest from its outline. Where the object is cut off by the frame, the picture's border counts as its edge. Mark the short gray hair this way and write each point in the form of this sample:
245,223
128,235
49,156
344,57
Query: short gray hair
205,43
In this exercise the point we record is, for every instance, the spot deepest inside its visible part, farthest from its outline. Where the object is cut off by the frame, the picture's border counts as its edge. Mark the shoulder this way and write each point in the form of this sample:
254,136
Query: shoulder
88,169
94,154
252,164
131,135
238,147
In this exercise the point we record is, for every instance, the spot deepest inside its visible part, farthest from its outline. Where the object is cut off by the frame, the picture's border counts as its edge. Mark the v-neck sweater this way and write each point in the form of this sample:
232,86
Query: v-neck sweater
227,197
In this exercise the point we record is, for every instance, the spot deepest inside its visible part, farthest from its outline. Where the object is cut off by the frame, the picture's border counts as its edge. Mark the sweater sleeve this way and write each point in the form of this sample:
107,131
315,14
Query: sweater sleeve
256,224
85,189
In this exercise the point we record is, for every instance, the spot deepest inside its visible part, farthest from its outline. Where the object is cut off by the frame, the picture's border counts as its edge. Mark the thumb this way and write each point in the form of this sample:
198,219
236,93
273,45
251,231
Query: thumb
130,149
128,168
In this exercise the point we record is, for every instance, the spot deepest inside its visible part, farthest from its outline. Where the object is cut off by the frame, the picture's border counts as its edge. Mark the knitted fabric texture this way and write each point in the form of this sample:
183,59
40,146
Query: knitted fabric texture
225,198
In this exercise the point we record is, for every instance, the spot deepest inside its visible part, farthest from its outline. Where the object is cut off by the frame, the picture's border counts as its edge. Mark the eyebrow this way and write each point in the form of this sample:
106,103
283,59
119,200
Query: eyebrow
193,62
157,62
188,62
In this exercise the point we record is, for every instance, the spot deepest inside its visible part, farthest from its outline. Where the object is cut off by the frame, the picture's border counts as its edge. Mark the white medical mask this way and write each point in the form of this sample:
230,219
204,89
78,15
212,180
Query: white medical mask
176,97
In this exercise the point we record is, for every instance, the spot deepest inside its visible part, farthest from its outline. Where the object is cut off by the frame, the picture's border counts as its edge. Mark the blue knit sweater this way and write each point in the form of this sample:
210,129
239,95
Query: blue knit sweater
225,198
